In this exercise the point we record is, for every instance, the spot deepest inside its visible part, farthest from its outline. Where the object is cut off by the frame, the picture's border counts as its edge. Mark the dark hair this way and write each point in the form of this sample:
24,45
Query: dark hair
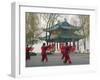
43,44
66,43
27,45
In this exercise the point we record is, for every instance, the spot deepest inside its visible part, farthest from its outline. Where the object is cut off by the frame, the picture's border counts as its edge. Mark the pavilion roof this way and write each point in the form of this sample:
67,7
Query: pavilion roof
62,25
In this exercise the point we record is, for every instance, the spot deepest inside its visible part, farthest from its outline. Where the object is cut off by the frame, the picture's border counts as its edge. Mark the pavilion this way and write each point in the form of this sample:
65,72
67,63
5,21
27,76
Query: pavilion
63,32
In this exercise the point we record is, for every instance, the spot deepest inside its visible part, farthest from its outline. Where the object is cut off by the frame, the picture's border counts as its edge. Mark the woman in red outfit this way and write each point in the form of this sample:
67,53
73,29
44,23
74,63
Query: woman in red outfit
28,49
43,52
27,52
66,54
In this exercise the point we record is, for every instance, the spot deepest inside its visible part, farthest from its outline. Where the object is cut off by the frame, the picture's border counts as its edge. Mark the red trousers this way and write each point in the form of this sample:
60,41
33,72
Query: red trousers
67,59
44,57
27,55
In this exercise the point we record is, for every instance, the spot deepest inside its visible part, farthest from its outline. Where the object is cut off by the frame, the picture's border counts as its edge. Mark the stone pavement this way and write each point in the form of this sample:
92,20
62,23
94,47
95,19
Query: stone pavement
55,60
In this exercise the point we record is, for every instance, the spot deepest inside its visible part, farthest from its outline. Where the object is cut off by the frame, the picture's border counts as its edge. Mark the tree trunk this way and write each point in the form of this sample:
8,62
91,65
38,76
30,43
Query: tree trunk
78,45
84,42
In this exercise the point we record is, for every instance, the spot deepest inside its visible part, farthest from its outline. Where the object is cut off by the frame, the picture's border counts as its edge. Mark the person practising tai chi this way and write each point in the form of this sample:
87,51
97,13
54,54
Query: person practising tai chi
28,49
66,54
43,52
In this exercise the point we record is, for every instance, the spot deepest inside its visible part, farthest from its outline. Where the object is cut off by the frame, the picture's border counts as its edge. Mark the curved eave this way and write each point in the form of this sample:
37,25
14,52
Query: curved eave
63,38
63,28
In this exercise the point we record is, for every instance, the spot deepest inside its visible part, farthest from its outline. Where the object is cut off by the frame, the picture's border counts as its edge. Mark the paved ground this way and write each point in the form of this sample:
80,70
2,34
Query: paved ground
55,60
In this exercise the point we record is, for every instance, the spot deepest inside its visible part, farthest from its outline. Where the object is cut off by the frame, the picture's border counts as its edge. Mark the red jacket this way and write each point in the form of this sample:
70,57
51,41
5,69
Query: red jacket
43,49
27,49
67,49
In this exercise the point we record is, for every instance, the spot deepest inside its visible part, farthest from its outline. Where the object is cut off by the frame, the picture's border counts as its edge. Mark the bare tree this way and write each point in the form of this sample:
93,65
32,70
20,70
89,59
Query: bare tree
31,25
85,23
50,19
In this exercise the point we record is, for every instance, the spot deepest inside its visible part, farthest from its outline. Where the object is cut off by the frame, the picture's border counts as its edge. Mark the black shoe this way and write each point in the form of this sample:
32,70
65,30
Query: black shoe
64,62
